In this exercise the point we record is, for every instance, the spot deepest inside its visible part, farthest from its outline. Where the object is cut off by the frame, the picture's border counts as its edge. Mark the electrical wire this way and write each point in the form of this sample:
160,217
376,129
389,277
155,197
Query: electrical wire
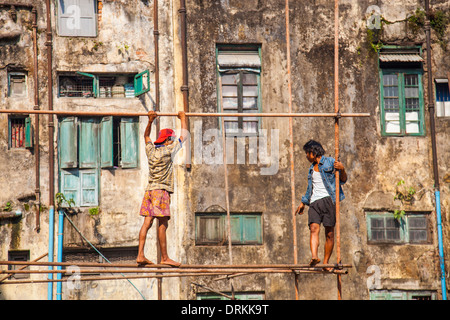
73,225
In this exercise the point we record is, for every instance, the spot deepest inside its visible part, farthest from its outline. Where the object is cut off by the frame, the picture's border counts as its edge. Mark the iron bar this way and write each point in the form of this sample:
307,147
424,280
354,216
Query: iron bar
189,114
172,270
166,267
96,278
146,276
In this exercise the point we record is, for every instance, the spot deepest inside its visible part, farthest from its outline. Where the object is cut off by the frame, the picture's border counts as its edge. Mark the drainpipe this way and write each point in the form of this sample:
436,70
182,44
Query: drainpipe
434,152
36,125
60,253
51,232
51,181
185,86
51,125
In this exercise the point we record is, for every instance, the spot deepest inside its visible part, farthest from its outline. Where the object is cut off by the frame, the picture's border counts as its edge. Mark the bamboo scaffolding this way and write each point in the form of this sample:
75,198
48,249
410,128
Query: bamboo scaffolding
188,114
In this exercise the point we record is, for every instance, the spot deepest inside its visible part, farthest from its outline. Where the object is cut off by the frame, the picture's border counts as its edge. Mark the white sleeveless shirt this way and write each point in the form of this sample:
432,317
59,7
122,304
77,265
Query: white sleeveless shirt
318,191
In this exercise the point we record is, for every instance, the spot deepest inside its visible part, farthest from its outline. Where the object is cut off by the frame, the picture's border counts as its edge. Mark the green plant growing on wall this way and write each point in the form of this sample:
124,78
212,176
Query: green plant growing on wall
439,21
406,195
61,200
416,21
94,211
7,207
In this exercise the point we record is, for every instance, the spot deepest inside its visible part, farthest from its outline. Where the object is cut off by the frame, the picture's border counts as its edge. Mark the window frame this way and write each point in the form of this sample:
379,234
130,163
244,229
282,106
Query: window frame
441,113
139,85
401,294
239,49
77,160
25,81
401,98
19,255
404,228
27,132
79,34
236,220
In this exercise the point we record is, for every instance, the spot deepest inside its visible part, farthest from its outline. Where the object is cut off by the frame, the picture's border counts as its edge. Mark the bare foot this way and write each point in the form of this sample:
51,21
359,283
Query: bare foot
143,261
314,261
170,262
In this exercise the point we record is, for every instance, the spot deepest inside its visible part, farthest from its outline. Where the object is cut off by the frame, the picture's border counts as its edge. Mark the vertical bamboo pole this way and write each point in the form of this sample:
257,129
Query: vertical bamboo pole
227,195
336,138
157,108
291,146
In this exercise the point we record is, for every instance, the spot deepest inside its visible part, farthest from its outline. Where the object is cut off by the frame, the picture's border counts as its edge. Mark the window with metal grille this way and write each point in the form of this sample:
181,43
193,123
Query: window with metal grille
19,255
88,85
239,71
211,228
125,255
412,228
20,132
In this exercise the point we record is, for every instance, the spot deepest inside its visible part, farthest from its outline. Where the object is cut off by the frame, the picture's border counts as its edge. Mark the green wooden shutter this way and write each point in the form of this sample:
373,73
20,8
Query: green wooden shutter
129,130
68,137
141,83
28,133
236,230
70,185
106,142
208,229
251,225
88,143
89,187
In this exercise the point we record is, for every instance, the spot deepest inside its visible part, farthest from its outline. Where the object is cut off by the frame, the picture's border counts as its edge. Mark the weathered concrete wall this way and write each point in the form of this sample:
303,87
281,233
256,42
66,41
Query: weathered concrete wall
374,163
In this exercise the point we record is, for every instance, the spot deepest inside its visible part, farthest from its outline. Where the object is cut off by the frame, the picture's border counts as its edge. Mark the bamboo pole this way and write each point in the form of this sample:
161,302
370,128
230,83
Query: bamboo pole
291,146
189,114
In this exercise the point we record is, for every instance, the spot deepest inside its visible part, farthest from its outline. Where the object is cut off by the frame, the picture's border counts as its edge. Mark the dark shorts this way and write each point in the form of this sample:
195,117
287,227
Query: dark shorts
322,211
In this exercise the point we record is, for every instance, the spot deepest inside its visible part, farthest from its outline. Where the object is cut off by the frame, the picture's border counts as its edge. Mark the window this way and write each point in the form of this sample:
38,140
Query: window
114,255
77,18
17,84
402,295
401,92
211,228
20,132
237,295
239,87
402,102
384,228
87,85
88,144
442,98
22,255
